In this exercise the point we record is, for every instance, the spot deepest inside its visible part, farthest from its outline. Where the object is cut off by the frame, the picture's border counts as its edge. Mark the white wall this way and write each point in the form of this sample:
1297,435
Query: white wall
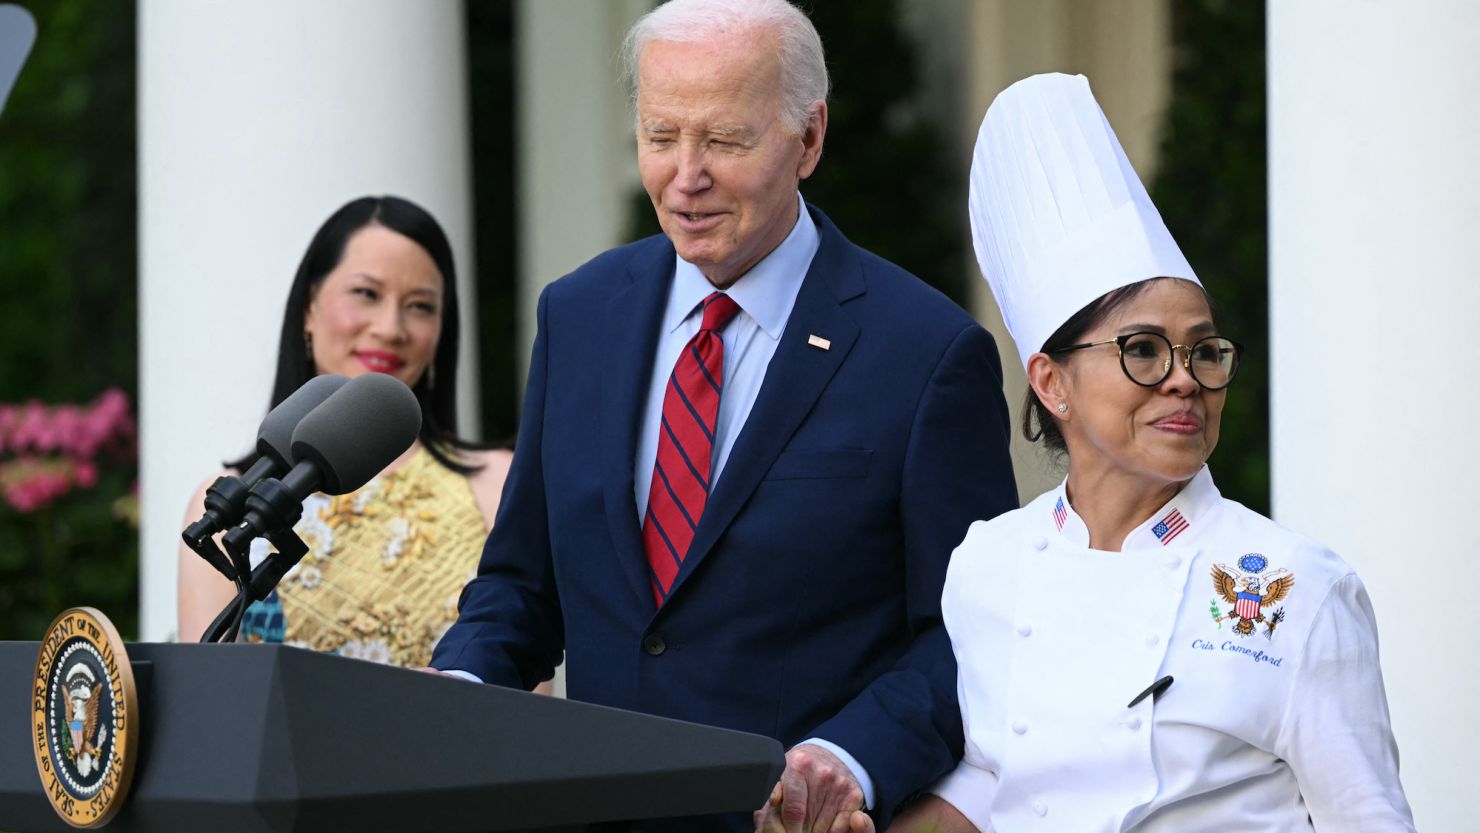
256,121
1374,189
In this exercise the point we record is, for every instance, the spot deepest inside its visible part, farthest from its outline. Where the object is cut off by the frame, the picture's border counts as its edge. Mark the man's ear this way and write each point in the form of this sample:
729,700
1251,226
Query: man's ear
812,134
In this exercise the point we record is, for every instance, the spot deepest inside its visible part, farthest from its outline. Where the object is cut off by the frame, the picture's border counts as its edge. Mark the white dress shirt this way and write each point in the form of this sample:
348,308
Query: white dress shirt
766,295
1273,722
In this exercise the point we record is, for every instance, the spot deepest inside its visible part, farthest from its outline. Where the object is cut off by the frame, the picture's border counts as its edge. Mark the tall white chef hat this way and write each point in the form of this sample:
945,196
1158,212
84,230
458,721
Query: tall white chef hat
1058,216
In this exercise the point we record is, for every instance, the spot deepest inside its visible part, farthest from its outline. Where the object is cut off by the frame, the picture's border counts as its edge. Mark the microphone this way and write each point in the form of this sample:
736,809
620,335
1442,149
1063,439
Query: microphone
358,431
226,499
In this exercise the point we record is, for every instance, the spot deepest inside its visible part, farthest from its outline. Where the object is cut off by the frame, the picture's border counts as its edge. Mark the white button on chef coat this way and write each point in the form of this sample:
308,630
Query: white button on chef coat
1265,722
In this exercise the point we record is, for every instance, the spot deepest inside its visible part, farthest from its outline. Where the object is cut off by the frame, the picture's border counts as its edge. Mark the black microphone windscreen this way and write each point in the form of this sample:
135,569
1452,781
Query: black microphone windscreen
359,430
275,435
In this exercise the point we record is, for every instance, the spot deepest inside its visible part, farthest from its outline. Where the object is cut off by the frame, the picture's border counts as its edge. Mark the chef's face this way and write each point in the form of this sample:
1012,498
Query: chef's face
1115,427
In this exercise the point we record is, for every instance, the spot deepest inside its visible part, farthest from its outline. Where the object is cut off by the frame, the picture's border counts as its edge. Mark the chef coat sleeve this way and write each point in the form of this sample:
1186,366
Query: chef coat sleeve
1336,734
971,787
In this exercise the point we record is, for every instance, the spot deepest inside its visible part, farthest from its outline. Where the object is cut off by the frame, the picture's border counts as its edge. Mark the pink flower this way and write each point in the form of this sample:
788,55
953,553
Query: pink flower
51,450
85,473
29,484
33,431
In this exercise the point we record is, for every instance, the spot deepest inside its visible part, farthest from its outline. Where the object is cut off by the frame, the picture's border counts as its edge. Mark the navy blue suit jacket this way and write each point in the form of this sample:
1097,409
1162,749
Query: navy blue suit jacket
809,602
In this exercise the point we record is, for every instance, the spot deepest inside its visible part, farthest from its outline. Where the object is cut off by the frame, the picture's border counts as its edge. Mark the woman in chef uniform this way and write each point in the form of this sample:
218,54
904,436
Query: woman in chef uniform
1135,651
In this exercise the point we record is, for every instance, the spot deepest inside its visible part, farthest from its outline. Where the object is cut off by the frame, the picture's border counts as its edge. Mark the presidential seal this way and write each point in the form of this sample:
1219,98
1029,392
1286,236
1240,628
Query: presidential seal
84,717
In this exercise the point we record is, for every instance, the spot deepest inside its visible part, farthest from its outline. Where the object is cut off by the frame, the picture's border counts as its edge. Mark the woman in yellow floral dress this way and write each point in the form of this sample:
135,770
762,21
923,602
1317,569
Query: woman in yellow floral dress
375,292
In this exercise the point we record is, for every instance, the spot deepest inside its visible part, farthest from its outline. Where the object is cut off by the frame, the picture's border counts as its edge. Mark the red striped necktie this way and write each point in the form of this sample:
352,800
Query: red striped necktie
681,473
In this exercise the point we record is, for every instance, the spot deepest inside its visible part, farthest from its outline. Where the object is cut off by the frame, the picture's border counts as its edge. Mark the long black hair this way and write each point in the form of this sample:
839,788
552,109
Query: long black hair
436,390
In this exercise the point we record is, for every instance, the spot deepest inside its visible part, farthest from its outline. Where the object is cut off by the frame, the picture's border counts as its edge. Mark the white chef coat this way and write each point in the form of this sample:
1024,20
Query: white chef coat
1277,729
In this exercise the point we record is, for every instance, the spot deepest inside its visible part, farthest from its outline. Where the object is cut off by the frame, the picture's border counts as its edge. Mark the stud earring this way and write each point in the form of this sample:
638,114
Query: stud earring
1063,407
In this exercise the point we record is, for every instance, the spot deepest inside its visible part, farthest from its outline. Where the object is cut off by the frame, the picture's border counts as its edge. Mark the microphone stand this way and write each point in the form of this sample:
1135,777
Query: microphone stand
257,586
272,511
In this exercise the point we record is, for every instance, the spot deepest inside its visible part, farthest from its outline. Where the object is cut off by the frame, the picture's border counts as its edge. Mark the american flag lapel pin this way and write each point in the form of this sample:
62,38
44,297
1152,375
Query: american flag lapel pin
819,342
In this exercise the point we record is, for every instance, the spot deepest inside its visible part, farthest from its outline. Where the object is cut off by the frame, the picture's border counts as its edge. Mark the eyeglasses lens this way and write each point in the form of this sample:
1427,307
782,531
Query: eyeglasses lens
1214,361
1147,358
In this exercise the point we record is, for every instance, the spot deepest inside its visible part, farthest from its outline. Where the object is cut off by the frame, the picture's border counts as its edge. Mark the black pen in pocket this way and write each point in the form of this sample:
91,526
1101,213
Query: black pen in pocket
1154,690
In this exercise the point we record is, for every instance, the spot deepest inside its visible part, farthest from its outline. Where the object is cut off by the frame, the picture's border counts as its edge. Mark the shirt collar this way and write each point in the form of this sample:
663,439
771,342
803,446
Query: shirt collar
766,293
1177,521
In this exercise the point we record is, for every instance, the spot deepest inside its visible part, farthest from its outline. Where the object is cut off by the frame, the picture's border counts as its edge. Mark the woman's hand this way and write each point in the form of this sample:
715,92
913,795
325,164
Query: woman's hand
931,814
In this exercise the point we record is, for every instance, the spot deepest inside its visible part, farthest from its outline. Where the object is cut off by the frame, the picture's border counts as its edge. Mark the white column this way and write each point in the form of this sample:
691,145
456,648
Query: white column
256,121
1373,184
577,161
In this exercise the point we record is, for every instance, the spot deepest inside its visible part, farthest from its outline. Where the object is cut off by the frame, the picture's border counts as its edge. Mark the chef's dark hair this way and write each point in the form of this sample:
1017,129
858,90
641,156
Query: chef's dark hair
1038,420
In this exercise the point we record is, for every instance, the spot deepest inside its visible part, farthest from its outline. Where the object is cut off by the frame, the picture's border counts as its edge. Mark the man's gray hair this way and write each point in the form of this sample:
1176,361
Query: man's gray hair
799,49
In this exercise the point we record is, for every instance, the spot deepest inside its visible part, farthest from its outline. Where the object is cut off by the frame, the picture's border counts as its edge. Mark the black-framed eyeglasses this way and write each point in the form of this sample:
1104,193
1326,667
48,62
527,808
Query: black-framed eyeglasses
1147,358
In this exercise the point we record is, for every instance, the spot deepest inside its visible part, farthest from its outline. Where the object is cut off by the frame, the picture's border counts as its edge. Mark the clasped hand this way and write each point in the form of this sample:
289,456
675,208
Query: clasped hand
817,793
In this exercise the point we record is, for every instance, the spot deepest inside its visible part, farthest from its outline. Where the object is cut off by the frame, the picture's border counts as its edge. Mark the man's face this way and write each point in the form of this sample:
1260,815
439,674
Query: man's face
715,158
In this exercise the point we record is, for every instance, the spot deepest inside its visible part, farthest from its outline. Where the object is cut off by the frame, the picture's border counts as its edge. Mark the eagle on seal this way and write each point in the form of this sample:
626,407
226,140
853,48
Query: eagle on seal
83,693
1250,594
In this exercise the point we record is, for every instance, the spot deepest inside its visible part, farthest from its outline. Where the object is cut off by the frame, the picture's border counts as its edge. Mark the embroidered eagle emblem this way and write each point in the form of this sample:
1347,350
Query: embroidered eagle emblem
1250,591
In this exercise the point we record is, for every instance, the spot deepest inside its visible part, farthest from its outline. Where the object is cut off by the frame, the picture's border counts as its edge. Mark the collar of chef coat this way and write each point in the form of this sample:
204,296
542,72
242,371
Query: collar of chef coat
1177,521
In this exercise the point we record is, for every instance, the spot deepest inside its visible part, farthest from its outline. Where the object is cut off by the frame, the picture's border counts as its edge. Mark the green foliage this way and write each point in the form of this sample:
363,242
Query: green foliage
76,552
1211,189
490,33
887,176
68,312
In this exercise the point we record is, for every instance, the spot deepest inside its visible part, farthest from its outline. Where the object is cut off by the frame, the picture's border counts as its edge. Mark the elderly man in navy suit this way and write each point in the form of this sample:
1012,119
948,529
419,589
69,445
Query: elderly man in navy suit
748,448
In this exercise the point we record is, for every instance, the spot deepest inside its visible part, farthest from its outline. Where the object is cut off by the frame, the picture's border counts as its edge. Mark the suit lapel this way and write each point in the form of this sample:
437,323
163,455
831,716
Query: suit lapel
632,323
795,378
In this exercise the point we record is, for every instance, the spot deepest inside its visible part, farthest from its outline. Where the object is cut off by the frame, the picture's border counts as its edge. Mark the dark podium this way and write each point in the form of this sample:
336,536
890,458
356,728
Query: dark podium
270,738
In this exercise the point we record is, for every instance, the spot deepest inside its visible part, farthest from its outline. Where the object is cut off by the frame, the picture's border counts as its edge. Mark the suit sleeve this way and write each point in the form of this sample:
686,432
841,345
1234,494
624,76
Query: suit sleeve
905,727
509,631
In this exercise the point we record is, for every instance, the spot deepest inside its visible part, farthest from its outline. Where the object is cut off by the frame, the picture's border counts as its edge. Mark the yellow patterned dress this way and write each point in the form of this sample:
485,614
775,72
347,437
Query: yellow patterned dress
384,568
